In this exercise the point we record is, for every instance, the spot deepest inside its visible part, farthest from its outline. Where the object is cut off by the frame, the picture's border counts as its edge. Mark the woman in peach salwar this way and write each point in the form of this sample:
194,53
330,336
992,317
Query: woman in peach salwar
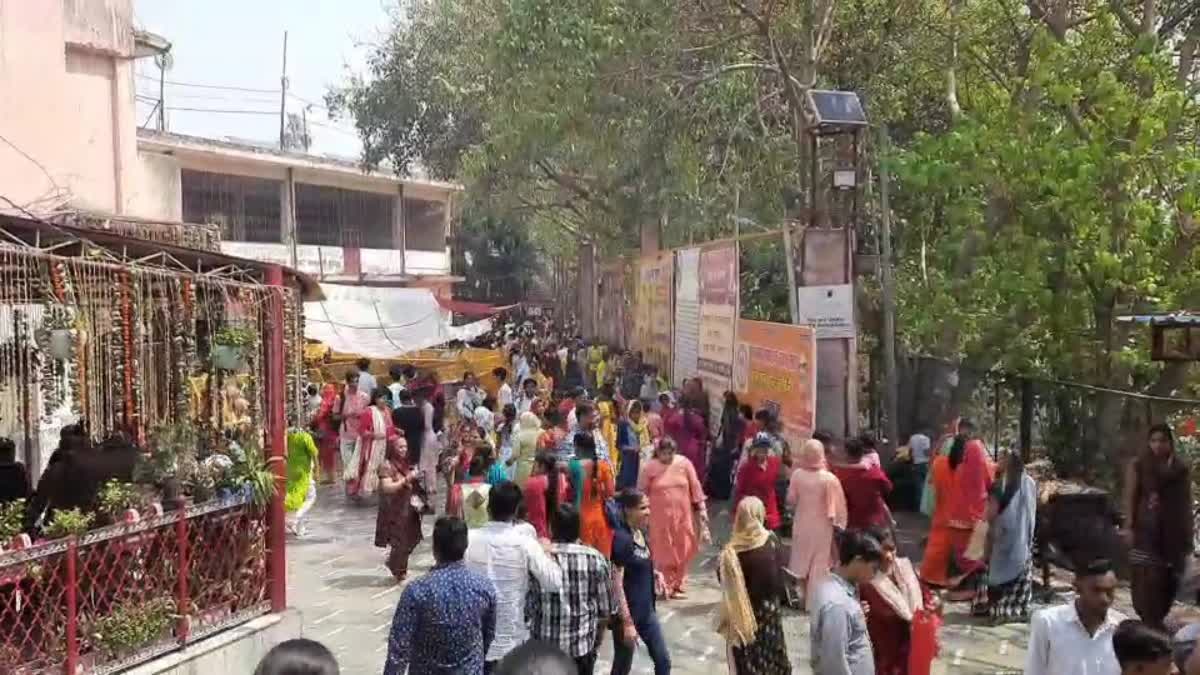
819,506
676,503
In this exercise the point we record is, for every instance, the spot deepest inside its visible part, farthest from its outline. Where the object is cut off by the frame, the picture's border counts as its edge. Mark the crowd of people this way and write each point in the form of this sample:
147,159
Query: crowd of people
573,487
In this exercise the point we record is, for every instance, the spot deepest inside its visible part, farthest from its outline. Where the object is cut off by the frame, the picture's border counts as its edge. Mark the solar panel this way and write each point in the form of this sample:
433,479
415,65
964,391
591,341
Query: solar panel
837,108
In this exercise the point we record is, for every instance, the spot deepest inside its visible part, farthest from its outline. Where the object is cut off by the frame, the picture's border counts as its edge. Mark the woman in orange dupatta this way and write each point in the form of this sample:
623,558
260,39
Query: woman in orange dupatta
961,481
592,483
819,506
676,503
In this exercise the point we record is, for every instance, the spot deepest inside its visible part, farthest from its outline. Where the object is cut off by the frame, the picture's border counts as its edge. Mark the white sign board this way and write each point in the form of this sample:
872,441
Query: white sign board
828,309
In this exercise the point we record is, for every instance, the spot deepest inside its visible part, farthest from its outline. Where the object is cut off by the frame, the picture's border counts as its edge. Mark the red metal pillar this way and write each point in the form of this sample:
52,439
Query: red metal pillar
72,590
183,627
276,390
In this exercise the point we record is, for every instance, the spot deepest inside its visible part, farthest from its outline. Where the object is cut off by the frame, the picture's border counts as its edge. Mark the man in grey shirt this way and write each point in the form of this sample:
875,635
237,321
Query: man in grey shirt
840,643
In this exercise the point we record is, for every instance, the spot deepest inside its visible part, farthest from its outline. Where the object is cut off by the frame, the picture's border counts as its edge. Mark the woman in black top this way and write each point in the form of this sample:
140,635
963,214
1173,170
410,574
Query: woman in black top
635,583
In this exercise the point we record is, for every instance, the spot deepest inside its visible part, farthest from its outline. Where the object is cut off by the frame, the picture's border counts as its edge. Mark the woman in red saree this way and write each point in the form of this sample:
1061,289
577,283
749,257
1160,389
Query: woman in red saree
325,429
961,481
903,616
676,503
375,432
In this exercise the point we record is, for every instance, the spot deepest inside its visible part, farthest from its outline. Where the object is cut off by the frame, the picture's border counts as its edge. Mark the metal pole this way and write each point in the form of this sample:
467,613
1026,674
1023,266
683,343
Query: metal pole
162,94
789,257
71,666
183,626
275,424
891,380
283,86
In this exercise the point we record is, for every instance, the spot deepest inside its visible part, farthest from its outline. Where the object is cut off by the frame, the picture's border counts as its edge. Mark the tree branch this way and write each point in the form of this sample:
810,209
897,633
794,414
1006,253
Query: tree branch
1124,17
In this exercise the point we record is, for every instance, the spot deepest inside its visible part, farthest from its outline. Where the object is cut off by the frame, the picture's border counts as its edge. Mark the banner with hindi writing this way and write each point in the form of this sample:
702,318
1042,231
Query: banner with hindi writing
775,367
718,321
653,317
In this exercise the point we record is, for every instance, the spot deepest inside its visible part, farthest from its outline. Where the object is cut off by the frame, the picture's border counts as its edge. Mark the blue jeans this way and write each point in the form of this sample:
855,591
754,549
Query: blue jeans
651,634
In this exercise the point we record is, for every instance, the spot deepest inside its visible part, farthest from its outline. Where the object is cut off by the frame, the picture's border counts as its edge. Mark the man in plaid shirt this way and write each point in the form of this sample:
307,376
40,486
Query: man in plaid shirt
576,618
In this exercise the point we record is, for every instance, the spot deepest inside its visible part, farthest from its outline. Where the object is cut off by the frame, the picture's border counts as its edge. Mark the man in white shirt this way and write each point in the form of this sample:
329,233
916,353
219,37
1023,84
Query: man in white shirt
507,555
366,381
525,398
1076,639
469,396
504,395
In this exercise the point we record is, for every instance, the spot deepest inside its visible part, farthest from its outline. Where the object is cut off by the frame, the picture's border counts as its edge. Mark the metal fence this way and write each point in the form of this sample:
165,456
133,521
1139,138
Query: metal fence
123,594
1083,430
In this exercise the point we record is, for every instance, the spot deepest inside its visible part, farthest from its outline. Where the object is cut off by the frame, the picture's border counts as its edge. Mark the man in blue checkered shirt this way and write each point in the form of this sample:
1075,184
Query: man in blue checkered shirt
576,618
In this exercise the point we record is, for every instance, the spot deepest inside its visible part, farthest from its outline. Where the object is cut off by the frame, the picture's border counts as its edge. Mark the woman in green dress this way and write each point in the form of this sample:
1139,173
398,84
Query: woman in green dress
301,489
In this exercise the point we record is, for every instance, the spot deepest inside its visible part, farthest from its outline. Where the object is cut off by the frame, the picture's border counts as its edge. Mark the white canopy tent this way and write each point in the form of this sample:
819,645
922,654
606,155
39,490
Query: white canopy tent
383,323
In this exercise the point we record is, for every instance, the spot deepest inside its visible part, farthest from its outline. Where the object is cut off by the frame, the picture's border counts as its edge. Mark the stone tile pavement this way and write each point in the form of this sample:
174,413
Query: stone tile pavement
337,579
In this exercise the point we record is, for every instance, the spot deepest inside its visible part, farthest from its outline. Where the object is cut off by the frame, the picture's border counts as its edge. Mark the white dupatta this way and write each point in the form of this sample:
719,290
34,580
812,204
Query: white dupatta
369,452
900,590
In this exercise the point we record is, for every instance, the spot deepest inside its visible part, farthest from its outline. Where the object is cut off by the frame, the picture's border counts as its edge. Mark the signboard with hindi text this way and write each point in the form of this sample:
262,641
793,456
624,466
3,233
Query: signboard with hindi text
687,314
828,309
653,316
718,321
775,367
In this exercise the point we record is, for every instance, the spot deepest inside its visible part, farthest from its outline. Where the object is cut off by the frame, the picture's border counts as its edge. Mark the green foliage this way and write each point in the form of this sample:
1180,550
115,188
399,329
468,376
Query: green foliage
69,522
133,625
116,497
254,470
12,520
498,259
235,336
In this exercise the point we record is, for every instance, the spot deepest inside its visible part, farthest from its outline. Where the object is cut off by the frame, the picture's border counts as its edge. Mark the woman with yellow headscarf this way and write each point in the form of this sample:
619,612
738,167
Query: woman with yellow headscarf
750,617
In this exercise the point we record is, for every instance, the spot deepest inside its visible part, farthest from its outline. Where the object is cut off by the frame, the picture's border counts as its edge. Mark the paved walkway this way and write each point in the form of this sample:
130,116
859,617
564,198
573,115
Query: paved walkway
337,579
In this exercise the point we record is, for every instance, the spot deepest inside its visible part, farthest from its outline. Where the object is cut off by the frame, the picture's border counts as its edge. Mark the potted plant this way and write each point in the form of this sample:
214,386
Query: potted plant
229,346
69,522
256,475
119,501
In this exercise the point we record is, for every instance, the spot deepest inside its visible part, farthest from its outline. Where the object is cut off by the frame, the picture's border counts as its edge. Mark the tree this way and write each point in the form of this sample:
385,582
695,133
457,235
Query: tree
497,258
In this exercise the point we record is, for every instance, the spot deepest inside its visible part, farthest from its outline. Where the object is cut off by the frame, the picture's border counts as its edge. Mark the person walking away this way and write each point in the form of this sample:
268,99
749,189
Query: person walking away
398,383
634,583
749,615
961,482
592,484
401,501
632,436
312,403
301,491
1012,510
1142,650
756,478
902,616
445,622
504,394
819,507
366,381
14,479
679,519
431,446
866,487
686,427
410,423
507,556
1076,638
355,401
375,433
722,473
841,644
1158,510
468,499
574,619
506,437
525,445
540,501
325,427
919,446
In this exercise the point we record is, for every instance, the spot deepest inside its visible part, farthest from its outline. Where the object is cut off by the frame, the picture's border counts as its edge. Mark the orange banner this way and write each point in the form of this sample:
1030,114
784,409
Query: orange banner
775,367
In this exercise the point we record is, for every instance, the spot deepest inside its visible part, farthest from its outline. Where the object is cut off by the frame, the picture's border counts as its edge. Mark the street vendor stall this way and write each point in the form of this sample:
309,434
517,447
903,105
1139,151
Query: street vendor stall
184,361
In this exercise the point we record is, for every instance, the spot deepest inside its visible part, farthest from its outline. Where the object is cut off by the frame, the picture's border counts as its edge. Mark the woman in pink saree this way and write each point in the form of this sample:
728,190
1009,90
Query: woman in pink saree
819,506
676,503
686,427
375,432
